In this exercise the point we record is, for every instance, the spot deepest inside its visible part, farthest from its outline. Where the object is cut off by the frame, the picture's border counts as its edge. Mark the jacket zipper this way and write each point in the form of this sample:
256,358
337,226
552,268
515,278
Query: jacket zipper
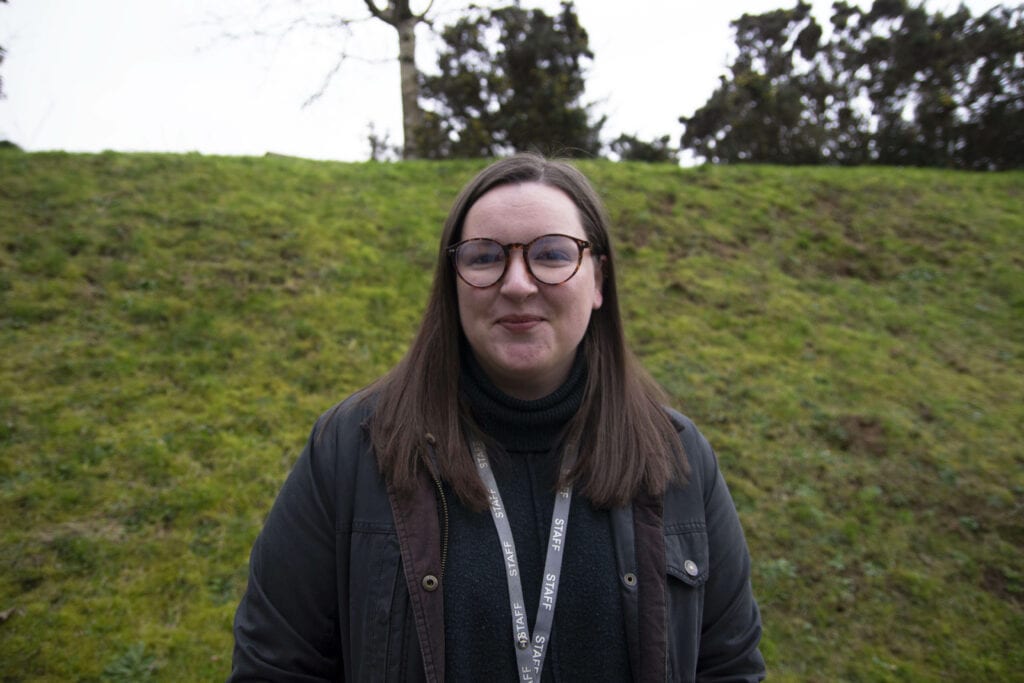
444,515
444,502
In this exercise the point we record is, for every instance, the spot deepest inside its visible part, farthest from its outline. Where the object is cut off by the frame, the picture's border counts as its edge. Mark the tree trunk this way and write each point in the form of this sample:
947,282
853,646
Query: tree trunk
412,115
399,14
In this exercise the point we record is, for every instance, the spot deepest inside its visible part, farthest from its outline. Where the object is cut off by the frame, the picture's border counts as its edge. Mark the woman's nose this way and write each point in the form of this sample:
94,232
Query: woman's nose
517,280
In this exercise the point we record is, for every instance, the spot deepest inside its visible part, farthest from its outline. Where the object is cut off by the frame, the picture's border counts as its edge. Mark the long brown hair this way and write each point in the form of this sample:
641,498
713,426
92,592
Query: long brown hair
627,443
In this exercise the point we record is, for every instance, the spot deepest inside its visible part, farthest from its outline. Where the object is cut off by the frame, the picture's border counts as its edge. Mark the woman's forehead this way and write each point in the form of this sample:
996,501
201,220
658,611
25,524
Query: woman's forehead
518,213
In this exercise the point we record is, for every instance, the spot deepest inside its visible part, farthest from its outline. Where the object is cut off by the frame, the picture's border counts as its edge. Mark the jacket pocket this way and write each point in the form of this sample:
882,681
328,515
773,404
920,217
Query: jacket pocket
686,555
688,570
377,607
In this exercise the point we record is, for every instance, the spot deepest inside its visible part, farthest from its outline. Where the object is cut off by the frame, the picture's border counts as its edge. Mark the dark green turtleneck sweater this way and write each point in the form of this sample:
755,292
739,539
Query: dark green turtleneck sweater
588,639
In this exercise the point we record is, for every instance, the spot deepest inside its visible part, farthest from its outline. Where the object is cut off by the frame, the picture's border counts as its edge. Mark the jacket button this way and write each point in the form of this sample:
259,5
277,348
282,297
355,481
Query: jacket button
630,579
430,583
690,567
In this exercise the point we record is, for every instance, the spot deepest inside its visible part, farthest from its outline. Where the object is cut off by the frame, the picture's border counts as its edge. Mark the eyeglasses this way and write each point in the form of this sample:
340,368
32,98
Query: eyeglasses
550,259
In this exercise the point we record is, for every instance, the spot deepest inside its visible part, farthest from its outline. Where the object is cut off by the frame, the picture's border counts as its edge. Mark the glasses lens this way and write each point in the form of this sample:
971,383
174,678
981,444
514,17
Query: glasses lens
480,262
553,258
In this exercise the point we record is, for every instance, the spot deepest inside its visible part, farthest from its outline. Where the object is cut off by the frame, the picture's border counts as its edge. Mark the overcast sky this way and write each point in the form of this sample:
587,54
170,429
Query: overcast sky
131,75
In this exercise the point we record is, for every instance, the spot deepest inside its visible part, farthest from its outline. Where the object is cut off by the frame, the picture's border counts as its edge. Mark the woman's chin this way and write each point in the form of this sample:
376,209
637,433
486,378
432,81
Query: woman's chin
527,376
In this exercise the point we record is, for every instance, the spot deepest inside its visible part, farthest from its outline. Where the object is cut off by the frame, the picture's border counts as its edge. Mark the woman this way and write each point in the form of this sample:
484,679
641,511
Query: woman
512,500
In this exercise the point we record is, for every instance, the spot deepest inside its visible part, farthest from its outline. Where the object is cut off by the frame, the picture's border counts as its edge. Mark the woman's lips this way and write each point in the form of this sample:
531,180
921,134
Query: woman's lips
519,323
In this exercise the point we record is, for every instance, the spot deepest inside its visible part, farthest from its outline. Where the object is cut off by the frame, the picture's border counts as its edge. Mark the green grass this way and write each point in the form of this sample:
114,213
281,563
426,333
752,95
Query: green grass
850,340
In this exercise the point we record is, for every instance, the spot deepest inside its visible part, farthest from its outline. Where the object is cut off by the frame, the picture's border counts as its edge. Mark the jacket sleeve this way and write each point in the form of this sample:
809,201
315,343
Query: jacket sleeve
731,625
286,624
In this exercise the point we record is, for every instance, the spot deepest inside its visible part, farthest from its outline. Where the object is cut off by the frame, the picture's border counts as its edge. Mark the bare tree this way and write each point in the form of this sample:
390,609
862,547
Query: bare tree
395,13
399,14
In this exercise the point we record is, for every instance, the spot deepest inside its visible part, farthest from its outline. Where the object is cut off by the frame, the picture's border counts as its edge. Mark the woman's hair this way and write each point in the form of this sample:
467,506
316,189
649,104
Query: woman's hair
627,443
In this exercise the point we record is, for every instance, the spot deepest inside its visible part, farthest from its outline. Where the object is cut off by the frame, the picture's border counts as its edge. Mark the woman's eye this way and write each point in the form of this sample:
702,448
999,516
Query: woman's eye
484,258
552,255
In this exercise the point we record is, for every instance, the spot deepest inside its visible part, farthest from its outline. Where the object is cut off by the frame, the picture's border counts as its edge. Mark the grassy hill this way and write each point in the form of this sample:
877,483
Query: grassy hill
850,340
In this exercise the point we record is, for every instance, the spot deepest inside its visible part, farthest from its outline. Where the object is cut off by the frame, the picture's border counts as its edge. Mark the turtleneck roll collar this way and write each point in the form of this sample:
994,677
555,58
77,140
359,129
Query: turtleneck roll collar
521,426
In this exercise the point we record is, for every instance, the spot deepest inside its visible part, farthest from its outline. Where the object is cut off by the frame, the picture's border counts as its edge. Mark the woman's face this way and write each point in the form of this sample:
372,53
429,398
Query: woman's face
524,333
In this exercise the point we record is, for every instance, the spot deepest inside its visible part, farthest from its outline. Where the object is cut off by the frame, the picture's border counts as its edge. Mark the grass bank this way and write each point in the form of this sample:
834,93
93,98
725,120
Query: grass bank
850,340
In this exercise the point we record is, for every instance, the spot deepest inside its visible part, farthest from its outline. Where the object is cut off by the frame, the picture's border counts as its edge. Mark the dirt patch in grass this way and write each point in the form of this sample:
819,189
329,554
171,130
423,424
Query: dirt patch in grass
864,434
1005,587
855,434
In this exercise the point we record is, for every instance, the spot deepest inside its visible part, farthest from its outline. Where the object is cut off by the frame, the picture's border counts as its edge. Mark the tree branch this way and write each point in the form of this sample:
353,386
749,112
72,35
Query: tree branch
378,13
422,16
329,76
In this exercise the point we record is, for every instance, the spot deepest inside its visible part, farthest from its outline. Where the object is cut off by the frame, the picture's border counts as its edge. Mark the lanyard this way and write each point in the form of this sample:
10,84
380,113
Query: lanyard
529,658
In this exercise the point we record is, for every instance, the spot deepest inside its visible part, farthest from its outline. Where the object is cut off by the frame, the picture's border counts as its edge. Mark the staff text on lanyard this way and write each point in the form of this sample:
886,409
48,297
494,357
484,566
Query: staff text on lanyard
529,651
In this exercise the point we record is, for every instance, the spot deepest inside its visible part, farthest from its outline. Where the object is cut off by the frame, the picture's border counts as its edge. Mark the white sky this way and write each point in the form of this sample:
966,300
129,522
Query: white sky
161,75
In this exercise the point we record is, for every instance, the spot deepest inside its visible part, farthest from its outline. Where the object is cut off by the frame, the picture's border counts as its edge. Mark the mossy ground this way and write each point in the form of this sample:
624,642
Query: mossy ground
850,340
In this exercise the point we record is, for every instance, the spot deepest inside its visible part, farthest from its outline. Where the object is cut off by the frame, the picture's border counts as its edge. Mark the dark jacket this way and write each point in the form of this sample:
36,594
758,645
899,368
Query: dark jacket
346,579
